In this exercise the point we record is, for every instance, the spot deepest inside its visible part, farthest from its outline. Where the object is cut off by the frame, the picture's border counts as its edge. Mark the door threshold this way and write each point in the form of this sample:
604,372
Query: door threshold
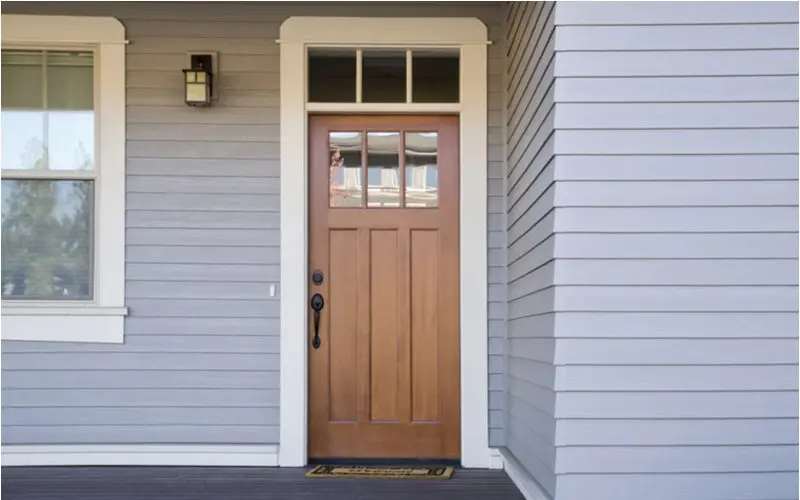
387,462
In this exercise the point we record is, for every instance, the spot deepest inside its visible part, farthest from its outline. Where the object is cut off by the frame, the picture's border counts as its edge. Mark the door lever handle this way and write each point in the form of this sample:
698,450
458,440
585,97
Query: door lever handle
317,303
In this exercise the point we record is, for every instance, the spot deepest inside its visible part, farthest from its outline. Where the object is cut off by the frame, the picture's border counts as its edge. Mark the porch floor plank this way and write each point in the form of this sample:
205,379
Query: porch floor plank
234,483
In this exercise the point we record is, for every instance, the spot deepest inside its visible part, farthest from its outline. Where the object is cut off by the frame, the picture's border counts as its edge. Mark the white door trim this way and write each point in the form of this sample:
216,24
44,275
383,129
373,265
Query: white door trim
470,36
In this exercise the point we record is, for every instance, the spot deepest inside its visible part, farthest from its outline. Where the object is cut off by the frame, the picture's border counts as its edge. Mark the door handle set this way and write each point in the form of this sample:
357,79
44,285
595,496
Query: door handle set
317,303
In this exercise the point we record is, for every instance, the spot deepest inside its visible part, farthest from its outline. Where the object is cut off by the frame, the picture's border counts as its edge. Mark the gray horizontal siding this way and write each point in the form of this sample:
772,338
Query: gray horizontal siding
671,13
134,379
776,62
201,355
134,398
676,214
702,89
663,433
498,274
530,195
145,433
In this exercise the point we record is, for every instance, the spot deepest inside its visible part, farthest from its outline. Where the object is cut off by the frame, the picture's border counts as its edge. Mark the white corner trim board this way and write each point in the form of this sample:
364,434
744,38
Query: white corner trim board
470,36
101,319
524,482
153,455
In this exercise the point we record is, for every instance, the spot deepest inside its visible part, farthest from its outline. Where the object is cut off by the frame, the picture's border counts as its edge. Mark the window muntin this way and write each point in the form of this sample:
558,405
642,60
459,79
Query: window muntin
49,174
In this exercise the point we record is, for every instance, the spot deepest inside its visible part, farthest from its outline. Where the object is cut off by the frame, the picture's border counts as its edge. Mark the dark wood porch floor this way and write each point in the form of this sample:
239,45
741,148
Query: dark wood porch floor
206,483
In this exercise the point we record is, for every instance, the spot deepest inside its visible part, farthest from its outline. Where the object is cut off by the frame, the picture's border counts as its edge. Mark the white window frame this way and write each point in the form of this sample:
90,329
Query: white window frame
470,36
100,319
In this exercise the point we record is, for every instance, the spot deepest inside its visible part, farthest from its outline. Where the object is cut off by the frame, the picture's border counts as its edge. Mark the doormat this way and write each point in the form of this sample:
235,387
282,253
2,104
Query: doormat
381,472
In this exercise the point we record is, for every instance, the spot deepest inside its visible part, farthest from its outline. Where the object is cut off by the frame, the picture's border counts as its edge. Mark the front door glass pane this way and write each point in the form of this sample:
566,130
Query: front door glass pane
383,169
422,170
345,169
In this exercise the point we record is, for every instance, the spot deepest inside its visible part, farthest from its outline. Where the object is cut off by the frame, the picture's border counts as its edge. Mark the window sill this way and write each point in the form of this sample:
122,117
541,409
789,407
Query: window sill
63,323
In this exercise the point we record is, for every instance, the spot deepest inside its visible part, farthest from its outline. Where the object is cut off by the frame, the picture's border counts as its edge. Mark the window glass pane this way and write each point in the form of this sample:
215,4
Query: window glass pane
71,140
345,170
383,169
23,140
48,124
47,239
435,76
70,80
23,116
383,76
70,104
422,169
331,75
23,80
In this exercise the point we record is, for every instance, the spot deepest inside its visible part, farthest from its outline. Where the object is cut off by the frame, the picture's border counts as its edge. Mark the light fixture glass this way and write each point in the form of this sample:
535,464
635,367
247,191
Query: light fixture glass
198,87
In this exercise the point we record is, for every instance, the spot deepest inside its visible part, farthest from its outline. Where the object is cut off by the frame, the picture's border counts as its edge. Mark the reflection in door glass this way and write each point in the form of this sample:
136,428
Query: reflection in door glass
383,169
422,170
345,169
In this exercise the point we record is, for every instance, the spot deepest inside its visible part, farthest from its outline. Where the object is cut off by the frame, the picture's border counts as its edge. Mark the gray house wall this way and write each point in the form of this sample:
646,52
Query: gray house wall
642,243
676,250
200,360
529,188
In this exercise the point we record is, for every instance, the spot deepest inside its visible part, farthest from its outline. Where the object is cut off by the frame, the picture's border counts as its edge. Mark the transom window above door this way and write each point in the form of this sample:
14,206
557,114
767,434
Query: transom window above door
384,169
385,75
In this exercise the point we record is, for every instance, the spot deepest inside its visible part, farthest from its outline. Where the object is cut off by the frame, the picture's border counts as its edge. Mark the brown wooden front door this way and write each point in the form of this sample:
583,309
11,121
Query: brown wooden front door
384,379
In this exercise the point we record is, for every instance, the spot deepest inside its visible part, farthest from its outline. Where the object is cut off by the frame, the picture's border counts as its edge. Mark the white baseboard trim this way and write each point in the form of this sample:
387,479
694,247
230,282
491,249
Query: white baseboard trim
526,484
166,455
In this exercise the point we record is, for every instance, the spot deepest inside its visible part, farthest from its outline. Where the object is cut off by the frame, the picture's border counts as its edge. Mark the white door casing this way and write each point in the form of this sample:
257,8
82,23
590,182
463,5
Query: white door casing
469,35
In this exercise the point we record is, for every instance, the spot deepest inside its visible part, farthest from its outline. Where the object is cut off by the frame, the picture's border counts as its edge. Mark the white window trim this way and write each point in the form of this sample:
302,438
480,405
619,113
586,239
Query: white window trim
101,319
470,36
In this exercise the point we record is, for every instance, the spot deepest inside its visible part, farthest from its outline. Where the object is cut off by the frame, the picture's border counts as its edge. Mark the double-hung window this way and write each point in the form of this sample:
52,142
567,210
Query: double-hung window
48,160
63,179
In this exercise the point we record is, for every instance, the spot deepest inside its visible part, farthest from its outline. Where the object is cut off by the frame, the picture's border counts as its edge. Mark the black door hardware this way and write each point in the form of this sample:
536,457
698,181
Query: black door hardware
317,303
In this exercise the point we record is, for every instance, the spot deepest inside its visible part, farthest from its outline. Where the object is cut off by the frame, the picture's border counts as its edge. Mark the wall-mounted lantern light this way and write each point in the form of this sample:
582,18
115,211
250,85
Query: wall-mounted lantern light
198,81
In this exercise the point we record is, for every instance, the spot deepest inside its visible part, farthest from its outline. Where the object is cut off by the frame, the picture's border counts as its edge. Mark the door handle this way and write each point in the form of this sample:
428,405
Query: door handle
317,303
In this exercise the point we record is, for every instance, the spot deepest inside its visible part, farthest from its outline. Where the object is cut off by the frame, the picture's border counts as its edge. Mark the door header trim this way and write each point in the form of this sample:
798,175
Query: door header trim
471,36
409,31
